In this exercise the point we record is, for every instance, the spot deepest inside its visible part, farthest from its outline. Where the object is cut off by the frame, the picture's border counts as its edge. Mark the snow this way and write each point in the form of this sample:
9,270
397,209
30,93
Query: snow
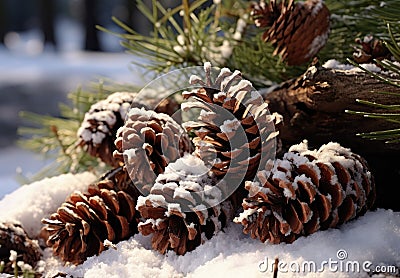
207,66
317,44
350,69
182,193
287,193
193,80
130,154
156,200
243,85
229,126
188,164
13,255
374,237
318,6
30,203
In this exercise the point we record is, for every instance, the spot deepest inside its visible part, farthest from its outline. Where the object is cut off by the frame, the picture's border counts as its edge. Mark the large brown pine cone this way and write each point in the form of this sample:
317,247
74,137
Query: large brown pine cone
235,131
17,246
84,224
297,30
147,143
307,191
184,207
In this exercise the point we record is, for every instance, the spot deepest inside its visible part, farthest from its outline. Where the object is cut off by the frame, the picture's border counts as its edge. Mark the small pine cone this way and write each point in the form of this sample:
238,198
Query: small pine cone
99,127
371,49
235,132
147,143
297,30
184,207
16,246
307,191
84,224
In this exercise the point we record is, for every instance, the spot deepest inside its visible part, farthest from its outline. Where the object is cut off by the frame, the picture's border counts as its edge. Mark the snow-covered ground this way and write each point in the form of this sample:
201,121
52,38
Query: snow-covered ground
363,244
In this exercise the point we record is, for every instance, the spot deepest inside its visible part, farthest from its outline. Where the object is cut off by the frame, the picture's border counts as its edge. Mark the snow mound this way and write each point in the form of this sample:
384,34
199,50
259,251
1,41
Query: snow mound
374,237
30,203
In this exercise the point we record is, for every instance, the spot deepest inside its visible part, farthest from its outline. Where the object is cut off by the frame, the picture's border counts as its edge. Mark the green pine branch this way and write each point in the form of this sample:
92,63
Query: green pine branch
389,15
198,31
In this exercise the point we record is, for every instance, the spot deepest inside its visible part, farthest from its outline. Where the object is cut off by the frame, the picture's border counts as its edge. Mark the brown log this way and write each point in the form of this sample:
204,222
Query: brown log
313,107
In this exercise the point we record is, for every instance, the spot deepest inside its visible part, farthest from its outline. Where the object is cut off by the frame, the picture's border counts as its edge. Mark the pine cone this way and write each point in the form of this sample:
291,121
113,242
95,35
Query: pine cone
16,246
297,30
307,191
371,49
234,130
99,127
83,224
147,143
184,207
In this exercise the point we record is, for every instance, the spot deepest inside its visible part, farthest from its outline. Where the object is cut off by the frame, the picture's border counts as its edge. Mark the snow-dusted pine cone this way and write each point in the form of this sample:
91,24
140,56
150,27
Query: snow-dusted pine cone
16,246
184,207
235,131
86,222
306,191
97,132
99,127
297,30
147,143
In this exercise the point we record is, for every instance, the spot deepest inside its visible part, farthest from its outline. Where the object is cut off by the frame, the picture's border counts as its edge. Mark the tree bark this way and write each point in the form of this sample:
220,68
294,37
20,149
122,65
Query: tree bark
313,107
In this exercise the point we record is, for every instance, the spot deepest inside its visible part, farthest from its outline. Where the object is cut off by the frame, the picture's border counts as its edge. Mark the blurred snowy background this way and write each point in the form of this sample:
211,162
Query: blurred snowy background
47,49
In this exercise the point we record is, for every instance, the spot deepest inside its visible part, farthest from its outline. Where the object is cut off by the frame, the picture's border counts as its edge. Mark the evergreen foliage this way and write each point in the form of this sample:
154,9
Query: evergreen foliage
388,17
221,32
